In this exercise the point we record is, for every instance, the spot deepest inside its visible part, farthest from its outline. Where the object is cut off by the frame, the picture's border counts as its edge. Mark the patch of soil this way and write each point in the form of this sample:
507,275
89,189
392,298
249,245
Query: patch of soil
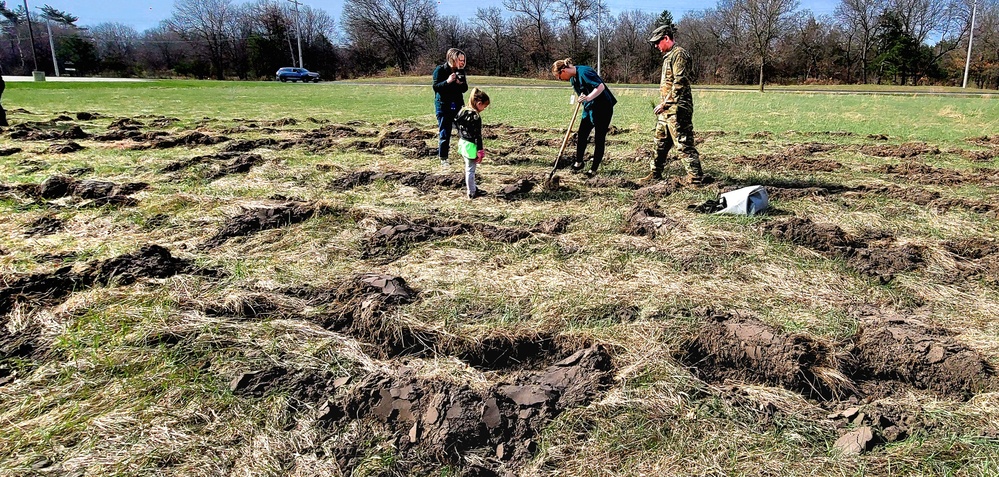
985,140
46,132
398,235
646,221
257,219
517,190
606,182
44,226
795,157
65,148
96,191
421,180
251,144
871,257
87,116
923,356
922,173
18,350
220,165
44,289
902,151
652,194
452,421
193,138
129,134
744,349
887,423
9,151
977,259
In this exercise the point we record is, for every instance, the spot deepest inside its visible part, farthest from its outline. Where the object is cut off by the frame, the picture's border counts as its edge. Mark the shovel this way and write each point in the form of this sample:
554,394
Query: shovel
552,182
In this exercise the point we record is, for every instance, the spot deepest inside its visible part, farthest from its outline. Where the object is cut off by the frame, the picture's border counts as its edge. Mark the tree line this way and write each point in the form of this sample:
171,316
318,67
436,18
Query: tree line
760,42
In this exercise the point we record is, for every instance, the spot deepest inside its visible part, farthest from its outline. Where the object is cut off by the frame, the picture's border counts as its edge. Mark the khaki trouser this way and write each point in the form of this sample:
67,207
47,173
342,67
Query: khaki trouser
676,130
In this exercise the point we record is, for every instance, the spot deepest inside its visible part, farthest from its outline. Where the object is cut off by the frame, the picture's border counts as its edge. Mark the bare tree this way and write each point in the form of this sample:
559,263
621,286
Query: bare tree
765,21
397,25
628,47
208,24
533,19
861,16
489,23
116,45
574,13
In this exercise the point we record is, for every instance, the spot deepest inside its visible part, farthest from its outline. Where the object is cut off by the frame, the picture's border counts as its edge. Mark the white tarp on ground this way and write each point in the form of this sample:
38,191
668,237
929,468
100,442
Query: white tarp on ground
750,200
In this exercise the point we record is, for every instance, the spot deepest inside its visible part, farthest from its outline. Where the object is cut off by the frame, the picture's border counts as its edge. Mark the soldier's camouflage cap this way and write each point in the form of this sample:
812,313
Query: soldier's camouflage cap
659,33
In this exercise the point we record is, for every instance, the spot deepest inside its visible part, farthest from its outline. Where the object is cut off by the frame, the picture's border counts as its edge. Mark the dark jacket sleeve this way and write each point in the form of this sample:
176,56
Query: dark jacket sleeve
441,74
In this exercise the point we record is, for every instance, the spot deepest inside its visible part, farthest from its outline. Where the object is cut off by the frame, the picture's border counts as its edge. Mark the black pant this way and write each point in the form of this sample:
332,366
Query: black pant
601,118
3,112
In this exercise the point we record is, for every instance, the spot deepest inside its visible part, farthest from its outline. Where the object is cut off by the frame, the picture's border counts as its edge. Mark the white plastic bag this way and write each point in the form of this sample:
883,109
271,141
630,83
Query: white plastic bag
750,200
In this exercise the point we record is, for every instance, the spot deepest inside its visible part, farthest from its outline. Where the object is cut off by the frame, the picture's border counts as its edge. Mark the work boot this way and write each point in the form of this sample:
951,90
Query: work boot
694,180
654,176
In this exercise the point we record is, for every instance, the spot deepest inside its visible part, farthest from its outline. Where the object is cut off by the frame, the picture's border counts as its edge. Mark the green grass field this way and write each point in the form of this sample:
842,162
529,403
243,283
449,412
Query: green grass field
883,211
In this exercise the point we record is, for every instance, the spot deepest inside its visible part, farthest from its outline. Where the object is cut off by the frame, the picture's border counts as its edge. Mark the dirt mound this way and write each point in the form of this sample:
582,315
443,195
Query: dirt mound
744,349
87,116
44,226
257,219
920,355
421,180
652,194
977,259
64,148
94,193
251,144
902,151
820,237
18,351
9,151
43,289
129,134
219,165
605,182
400,234
922,173
193,138
451,421
876,257
985,140
795,157
647,221
517,190
46,132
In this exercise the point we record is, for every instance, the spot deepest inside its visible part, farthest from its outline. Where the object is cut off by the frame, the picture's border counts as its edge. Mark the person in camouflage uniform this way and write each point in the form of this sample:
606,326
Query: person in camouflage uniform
675,112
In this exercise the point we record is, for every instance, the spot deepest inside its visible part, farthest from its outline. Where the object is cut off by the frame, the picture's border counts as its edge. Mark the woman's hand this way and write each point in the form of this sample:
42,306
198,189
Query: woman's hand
479,156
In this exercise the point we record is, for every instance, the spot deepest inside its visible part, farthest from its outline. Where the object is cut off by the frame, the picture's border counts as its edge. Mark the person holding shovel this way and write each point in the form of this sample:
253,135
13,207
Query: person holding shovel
675,111
598,109
449,86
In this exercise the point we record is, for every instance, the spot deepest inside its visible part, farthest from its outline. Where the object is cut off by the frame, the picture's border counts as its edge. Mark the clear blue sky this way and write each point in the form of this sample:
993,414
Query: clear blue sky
144,14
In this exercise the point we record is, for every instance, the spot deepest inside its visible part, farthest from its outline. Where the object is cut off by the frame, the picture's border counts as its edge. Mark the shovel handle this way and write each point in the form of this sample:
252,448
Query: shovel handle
565,139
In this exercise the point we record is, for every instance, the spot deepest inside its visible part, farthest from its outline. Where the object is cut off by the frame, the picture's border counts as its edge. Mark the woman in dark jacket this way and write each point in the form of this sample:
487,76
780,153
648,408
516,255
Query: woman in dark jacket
598,109
449,86
3,112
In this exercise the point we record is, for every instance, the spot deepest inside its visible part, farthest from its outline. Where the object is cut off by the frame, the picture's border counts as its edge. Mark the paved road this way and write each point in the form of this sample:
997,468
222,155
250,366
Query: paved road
16,79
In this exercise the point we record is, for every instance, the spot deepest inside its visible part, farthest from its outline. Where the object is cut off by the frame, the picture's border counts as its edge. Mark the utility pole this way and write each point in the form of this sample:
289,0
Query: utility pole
55,64
298,33
31,34
598,37
971,37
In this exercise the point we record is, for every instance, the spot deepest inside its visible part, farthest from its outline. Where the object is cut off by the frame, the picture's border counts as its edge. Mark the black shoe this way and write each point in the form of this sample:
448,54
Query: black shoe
590,173
478,193
578,166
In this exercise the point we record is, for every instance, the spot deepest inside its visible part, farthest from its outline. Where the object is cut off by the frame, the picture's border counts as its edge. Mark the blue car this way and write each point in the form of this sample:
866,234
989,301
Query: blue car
296,74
